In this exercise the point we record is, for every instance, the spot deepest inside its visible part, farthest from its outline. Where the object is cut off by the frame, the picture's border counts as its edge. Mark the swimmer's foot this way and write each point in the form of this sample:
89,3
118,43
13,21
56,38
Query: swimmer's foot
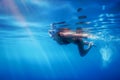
92,44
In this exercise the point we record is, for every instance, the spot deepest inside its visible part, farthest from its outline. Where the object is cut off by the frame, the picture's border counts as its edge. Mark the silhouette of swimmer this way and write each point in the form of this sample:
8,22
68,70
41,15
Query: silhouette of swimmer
65,36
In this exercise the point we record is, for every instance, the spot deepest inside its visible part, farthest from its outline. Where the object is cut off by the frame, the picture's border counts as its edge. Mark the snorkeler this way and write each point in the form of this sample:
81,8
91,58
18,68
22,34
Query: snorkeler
66,36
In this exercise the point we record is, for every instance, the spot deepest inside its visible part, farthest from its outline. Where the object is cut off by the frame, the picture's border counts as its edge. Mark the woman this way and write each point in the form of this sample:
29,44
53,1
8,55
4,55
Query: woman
66,36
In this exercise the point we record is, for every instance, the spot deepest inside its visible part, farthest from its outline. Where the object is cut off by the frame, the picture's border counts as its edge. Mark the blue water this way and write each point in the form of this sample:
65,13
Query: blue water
28,53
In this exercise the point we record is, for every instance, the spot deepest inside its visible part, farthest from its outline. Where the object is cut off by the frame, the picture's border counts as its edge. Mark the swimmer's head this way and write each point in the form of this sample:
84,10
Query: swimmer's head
52,30
51,33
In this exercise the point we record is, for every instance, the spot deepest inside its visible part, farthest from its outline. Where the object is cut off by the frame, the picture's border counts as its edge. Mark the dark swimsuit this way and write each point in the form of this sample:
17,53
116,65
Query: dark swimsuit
62,40
79,42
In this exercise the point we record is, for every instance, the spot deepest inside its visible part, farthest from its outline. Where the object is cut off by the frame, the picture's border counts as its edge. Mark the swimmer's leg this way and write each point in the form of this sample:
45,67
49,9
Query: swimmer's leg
83,51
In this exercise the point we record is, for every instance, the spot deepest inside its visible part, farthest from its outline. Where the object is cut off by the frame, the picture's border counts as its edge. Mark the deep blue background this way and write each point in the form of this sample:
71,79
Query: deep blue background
28,53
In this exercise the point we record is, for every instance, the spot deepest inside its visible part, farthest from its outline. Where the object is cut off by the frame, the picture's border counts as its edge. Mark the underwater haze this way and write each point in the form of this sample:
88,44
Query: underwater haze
27,52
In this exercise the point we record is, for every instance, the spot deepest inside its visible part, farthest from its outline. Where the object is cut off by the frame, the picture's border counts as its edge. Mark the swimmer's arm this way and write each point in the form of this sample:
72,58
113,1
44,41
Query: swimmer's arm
83,35
72,34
